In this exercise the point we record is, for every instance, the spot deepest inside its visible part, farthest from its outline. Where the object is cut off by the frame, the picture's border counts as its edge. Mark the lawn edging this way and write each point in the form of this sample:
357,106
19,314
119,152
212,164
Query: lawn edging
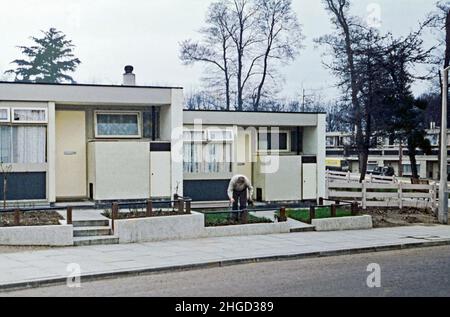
48,236
343,223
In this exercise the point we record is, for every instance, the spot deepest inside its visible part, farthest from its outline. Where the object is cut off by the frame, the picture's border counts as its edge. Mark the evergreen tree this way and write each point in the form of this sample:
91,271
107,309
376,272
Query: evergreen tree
48,61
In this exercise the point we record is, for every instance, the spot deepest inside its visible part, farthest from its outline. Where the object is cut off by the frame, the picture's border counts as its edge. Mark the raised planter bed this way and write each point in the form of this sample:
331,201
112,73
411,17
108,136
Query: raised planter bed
174,227
40,218
343,223
182,227
53,236
34,229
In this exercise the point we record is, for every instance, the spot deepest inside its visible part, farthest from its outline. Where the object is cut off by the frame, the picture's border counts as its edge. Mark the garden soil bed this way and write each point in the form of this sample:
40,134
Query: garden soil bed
223,220
394,217
142,214
41,218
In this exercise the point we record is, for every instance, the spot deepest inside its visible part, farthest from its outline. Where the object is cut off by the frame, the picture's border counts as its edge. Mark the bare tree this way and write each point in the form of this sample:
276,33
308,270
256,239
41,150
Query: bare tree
440,20
375,73
282,31
215,49
342,43
202,100
247,40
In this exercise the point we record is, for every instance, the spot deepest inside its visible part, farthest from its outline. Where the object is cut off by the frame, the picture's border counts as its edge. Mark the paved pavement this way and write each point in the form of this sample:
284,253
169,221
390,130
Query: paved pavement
417,272
31,268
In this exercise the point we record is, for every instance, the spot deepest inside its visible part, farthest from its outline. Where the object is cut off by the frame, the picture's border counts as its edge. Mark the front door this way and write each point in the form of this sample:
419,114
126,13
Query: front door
71,155
309,181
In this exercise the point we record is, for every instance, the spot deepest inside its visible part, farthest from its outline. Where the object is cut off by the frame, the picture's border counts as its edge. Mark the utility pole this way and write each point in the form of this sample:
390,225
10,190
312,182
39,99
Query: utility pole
443,188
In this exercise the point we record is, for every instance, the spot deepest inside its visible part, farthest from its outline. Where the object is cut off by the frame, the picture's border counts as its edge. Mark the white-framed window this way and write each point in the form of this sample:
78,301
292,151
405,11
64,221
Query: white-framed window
194,135
434,139
208,158
5,115
274,141
331,141
23,144
29,115
117,124
407,169
220,135
208,151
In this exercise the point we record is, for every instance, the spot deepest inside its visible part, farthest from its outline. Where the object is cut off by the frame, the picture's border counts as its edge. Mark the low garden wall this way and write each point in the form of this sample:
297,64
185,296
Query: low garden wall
247,230
159,228
186,227
344,223
52,236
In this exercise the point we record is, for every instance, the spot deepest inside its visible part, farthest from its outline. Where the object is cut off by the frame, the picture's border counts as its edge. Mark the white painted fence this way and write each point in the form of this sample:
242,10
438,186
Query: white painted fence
355,177
385,195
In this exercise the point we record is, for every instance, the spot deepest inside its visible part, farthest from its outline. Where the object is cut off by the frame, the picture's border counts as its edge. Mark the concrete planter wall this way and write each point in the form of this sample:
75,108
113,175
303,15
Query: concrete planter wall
345,223
53,236
159,228
246,230
185,227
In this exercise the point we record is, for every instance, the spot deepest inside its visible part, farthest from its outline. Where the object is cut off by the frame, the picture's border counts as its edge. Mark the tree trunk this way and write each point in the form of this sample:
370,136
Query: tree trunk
400,163
446,64
363,163
227,76
413,160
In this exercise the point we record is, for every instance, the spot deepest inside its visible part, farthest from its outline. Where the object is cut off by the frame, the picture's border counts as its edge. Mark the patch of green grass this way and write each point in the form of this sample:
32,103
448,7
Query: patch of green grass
321,213
226,219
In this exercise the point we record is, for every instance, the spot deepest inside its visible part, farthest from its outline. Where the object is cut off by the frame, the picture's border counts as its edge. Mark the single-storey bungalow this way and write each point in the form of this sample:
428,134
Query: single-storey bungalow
76,142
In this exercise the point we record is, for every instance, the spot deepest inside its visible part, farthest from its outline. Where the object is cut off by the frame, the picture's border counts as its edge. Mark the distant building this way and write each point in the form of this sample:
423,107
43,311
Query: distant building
386,154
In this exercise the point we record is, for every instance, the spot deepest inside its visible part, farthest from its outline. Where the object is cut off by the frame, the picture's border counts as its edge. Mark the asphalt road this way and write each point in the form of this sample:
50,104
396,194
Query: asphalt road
418,272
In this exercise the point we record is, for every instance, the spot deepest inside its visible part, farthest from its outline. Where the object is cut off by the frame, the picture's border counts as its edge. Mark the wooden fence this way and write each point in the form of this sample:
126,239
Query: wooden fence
385,195
355,177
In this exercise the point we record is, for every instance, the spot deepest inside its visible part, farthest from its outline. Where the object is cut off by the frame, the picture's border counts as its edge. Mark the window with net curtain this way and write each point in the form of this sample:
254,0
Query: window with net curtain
118,125
201,157
24,143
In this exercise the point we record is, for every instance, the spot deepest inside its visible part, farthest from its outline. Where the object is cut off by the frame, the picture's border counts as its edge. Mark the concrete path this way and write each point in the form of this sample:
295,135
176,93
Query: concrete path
294,225
51,266
84,215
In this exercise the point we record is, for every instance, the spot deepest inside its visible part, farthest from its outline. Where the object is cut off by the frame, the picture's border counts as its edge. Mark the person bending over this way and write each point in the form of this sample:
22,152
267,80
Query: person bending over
240,191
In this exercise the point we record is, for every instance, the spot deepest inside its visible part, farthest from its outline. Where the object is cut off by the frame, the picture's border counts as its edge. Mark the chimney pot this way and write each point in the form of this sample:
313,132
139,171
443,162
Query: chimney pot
129,69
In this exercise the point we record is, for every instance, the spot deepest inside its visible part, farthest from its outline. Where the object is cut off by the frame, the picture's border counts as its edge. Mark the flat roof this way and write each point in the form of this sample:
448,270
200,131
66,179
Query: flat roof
253,118
87,85
252,111
86,94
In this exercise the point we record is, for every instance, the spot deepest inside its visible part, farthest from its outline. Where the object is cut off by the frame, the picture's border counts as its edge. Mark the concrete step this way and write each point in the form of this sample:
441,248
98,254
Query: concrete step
91,231
90,223
100,240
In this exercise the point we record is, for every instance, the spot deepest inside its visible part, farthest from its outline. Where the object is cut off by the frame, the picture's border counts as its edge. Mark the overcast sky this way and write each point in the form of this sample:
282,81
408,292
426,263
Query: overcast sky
146,33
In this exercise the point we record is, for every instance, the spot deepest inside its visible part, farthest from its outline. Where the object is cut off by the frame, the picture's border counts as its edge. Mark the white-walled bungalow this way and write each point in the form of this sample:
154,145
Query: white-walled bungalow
103,143
283,154
77,142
